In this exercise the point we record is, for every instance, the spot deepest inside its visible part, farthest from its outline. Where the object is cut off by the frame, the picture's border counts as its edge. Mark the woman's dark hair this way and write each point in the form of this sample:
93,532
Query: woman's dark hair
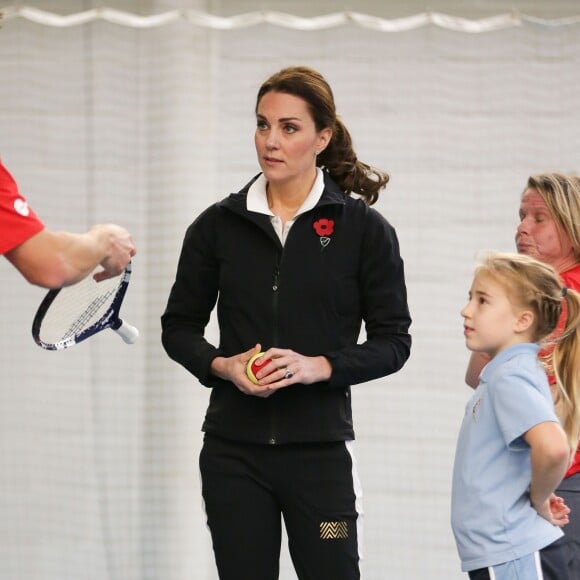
338,158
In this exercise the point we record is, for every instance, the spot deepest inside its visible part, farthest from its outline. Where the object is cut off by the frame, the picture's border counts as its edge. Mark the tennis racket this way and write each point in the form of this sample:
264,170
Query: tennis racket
72,314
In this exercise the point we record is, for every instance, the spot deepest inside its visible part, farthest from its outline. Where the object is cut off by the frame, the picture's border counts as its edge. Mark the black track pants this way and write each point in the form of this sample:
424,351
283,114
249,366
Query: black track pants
248,489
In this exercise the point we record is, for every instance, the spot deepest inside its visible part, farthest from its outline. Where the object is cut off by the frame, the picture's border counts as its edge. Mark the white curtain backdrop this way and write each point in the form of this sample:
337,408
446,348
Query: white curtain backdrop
146,126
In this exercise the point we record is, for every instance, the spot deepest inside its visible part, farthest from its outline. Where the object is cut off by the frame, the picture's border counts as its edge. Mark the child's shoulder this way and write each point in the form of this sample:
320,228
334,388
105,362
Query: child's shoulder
521,368
519,359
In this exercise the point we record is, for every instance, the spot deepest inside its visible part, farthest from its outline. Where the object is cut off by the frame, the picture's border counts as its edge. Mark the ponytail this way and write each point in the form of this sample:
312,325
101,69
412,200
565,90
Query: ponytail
351,175
566,368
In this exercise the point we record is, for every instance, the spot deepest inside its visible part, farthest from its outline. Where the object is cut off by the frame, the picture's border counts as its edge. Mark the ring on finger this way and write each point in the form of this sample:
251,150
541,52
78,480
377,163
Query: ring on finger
288,374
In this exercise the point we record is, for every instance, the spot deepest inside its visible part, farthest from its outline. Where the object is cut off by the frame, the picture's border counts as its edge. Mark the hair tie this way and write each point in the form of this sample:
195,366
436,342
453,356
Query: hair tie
564,291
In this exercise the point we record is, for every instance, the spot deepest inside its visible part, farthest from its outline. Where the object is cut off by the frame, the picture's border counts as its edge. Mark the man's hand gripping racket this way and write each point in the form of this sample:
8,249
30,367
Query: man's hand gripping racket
72,314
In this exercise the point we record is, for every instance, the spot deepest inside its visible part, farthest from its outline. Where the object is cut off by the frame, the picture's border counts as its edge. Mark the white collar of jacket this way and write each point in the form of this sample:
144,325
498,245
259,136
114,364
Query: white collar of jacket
236,202
257,200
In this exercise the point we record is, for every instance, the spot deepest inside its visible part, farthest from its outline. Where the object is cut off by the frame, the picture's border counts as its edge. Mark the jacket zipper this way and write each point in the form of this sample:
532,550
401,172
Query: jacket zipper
275,284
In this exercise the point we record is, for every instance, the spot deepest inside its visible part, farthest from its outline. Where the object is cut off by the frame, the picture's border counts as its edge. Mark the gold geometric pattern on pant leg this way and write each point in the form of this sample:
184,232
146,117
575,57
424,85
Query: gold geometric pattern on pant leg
333,530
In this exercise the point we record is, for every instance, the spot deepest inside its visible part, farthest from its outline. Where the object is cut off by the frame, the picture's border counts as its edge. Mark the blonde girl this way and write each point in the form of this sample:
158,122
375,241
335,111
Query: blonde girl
512,452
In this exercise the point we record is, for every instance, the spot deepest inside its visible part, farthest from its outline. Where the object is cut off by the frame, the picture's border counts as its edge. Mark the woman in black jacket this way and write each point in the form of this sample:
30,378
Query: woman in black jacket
295,264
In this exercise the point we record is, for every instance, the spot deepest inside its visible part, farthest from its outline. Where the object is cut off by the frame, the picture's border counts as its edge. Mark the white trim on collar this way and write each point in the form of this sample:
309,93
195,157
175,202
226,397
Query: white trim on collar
258,202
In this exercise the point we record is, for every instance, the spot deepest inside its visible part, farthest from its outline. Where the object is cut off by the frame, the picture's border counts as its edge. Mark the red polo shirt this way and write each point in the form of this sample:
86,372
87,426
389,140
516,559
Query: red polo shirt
18,222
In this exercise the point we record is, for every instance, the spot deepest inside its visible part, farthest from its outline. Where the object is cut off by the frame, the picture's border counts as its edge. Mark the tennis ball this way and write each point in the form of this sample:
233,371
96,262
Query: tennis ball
252,368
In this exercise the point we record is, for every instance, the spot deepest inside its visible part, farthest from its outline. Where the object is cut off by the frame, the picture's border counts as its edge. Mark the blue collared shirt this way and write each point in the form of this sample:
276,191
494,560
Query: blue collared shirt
491,515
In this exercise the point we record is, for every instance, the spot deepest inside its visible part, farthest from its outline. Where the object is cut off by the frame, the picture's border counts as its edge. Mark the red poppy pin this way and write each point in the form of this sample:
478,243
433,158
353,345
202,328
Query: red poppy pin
324,228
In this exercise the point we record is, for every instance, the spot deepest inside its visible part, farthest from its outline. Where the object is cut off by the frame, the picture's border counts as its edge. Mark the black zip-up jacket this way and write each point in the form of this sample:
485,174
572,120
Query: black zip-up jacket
310,295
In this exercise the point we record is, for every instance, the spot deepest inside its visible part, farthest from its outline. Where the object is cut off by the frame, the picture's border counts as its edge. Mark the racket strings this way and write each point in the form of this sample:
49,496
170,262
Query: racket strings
84,320
78,308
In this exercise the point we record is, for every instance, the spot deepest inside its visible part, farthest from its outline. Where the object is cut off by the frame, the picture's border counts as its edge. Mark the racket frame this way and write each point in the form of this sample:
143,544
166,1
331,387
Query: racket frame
110,318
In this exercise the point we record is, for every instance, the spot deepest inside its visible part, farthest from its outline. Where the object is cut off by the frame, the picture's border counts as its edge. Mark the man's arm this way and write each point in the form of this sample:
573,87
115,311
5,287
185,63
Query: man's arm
55,259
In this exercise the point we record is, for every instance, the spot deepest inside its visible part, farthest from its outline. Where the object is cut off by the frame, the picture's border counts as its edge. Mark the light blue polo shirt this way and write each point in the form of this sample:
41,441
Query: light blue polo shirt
491,514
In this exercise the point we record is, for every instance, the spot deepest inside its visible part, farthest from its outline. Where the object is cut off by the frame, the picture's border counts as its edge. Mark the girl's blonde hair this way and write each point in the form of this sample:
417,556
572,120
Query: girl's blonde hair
537,287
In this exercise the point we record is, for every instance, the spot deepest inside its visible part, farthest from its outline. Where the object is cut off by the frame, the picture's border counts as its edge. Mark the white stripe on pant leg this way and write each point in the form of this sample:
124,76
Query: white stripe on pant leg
358,503
491,573
538,564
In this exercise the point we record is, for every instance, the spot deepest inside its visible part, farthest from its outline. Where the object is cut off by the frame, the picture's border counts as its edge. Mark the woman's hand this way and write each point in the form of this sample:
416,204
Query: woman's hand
287,367
233,369
280,368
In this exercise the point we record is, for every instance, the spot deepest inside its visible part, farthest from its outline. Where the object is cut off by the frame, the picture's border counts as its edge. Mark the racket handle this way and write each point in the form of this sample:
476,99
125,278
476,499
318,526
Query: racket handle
127,332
